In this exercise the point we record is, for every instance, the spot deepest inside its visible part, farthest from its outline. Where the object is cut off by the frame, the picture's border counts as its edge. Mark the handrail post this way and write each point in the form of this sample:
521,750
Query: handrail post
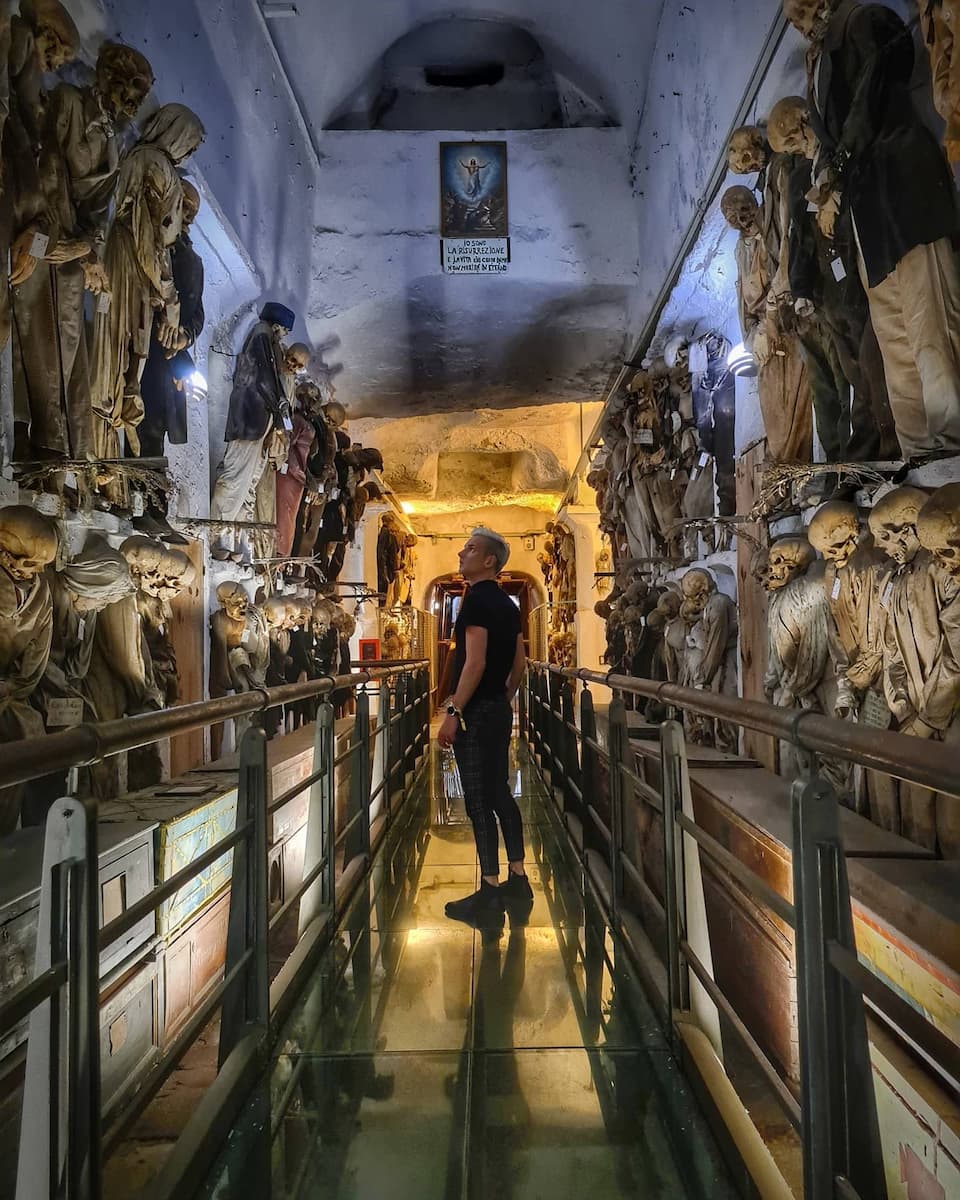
571,760
618,741
357,841
383,752
674,901
247,1001
841,1134
59,1147
320,820
589,777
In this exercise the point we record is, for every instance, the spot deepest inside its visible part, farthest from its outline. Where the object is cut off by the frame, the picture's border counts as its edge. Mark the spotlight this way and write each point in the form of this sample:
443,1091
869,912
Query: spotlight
197,381
741,362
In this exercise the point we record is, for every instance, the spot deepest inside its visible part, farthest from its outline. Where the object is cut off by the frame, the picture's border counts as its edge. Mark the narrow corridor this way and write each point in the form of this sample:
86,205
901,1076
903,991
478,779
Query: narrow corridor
430,1060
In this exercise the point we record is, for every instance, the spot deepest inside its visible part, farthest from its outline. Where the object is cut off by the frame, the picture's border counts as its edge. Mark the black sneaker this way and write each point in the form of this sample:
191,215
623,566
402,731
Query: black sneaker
482,910
517,896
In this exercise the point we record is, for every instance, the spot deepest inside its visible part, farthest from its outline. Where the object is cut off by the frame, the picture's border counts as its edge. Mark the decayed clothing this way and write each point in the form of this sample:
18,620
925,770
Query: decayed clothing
147,222
896,182
856,624
920,679
120,680
26,630
78,170
291,483
798,655
165,404
782,384
258,401
916,314
940,21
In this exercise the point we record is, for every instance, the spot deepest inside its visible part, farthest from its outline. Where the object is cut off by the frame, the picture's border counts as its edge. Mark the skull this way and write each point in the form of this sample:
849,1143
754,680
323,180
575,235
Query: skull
343,623
304,612
334,414
893,523
603,609
835,532
938,527
788,559
295,358
636,592
191,203
320,619
760,565
642,387
677,353
308,397
656,620
275,613
669,604
144,557
697,587
741,210
789,129
124,77
810,17
56,39
28,542
233,599
747,152
175,572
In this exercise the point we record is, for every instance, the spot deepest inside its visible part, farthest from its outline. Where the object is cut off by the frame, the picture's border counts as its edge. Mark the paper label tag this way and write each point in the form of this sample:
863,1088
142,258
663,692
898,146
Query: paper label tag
288,424
835,594
673,472
811,207
63,712
643,622
335,494
38,247
839,270
646,437
137,504
81,628
162,628
887,593
245,637
283,468
677,422
103,303
704,459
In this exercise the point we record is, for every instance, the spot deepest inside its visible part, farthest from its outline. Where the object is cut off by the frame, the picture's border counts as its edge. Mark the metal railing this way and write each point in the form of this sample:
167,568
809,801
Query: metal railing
833,1110
65,1134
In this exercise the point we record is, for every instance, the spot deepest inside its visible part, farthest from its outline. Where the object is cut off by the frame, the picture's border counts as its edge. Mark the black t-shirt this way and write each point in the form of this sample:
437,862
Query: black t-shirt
487,605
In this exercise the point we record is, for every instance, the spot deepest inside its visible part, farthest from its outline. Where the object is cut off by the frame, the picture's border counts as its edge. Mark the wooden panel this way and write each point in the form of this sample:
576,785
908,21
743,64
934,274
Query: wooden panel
752,605
129,1029
192,963
188,632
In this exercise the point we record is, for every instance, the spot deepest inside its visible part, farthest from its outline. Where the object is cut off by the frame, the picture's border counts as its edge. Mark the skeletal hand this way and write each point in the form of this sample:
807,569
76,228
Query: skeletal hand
95,279
22,262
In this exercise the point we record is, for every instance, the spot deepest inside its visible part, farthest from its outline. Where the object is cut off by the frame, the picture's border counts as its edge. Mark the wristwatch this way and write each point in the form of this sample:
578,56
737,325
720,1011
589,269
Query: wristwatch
453,711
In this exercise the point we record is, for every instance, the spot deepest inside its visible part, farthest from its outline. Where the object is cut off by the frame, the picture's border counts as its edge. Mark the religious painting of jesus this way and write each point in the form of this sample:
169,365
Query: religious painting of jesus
473,190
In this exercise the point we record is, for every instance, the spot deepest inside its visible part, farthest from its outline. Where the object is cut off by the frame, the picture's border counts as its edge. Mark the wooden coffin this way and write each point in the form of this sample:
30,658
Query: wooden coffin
191,815
919,1123
192,961
906,921
129,1028
747,810
129,1045
125,876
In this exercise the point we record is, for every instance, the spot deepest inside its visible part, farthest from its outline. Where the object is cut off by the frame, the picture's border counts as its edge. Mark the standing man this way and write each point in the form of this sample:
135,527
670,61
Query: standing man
488,665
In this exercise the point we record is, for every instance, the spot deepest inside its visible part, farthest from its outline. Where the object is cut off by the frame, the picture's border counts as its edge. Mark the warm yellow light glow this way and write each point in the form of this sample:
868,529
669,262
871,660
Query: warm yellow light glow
407,507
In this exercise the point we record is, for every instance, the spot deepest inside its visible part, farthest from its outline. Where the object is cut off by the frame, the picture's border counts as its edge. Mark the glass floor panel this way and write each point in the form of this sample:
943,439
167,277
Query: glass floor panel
429,1060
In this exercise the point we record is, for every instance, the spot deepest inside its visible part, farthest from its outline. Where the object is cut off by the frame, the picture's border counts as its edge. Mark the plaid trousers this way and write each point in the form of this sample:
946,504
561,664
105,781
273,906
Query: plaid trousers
483,758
